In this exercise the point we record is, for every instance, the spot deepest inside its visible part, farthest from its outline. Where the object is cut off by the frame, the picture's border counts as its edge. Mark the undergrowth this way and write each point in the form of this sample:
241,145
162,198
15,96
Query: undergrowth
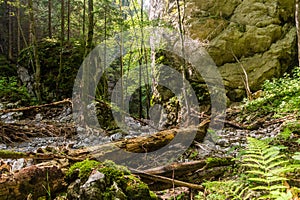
280,96
264,173
11,91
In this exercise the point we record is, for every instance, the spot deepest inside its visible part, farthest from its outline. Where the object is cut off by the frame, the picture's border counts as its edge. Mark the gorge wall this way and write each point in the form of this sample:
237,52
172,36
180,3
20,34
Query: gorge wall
259,35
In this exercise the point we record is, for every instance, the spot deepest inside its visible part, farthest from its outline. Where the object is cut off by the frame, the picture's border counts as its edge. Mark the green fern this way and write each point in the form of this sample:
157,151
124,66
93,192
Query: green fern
267,168
235,190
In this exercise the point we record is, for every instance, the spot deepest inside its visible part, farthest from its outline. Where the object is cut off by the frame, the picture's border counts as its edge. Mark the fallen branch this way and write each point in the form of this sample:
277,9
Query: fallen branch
65,101
21,132
170,181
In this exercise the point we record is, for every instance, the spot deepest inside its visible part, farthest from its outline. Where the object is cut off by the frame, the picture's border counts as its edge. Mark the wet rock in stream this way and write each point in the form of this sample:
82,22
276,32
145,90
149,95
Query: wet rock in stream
228,140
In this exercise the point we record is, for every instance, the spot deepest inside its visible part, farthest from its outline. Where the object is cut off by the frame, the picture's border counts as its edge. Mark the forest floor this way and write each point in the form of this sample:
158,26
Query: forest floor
32,129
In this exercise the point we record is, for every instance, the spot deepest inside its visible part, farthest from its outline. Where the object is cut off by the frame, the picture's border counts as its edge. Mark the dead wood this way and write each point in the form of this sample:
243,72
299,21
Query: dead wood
256,124
188,174
116,151
169,181
22,131
36,181
65,101
177,174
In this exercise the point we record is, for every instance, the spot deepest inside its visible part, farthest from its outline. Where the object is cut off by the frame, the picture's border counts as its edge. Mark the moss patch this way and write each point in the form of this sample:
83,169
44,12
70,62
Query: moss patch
84,167
11,154
119,182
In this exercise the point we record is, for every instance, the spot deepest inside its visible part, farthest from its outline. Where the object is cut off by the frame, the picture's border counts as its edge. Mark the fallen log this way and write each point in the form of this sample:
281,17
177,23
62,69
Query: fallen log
188,174
65,101
115,150
35,181
137,150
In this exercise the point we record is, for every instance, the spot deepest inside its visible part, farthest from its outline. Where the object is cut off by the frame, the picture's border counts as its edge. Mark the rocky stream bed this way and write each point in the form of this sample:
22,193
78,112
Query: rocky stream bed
225,142
52,127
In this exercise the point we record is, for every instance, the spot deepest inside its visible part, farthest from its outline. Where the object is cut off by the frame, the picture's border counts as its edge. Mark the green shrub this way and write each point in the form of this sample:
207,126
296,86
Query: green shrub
11,91
280,96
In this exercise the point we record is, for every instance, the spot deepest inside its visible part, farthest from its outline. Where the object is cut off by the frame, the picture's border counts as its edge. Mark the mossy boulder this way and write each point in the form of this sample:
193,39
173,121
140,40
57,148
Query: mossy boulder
106,180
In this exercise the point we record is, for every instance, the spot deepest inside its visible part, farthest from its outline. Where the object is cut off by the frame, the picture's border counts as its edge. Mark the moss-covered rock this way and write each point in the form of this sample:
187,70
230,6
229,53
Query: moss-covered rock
107,181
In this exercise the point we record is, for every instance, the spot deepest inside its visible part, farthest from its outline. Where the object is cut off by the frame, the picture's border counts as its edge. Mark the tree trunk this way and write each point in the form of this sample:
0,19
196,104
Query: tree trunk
183,66
69,20
10,35
83,26
62,24
90,26
50,18
35,52
20,30
121,65
113,151
297,27
29,29
18,27
62,38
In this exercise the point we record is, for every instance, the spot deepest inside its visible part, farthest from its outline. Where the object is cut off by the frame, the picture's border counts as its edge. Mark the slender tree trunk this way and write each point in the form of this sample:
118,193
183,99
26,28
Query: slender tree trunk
86,75
10,34
69,20
105,84
35,52
62,24
145,57
182,38
90,26
50,18
121,63
62,39
297,27
20,30
83,26
29,29
18,27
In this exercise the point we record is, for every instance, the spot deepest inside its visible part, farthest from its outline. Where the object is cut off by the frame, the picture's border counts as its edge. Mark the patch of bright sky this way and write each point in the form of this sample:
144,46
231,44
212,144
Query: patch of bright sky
146,4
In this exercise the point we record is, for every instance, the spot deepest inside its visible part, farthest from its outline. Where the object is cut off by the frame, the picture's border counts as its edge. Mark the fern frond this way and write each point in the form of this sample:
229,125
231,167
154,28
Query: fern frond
266,167
256,172
262,180
276,162
267,188
252,165
271,152
281,171
257,156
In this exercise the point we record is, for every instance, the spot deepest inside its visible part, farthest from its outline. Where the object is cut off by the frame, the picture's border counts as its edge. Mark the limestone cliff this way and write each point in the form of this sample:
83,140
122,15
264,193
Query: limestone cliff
259,35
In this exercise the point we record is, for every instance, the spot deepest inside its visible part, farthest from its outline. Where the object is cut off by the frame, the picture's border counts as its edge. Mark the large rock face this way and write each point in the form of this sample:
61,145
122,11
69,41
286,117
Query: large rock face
257,35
